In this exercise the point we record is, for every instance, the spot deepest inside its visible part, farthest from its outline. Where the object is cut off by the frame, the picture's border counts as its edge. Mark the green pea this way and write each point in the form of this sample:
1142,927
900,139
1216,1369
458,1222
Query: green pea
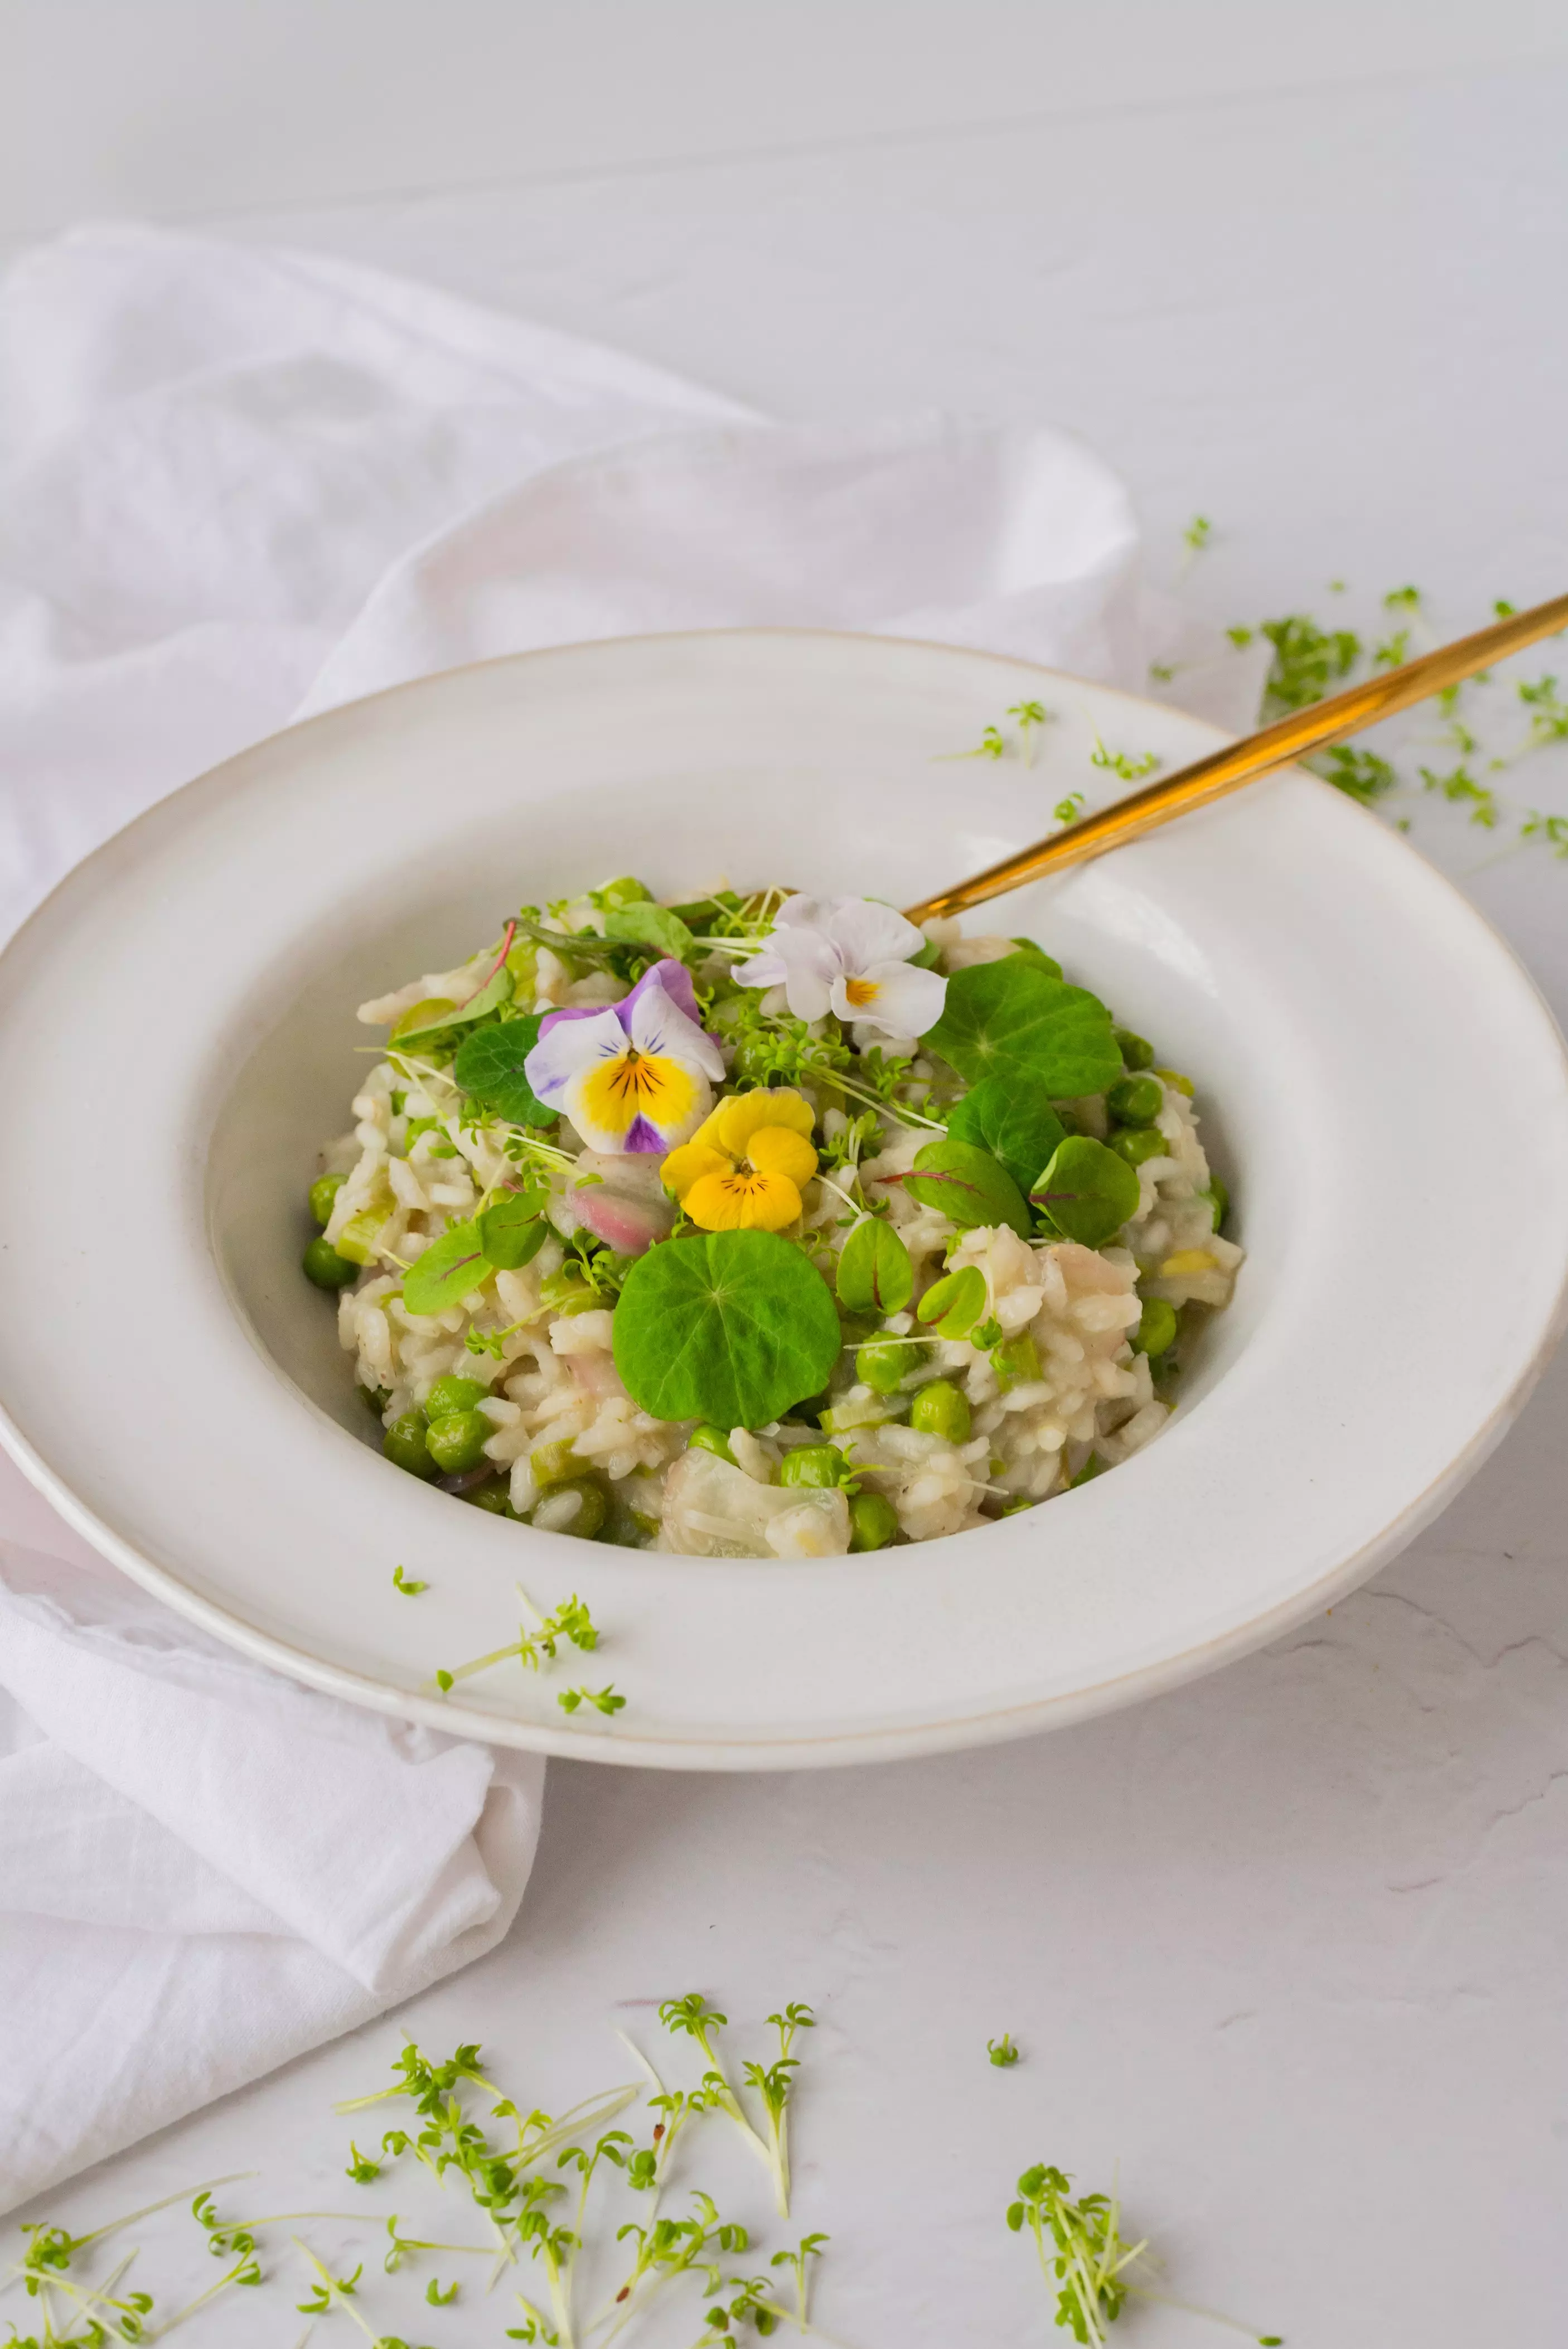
406,1444
1136,1101
709,1439
1156,1328
1220,1199
1137,1143
495,1498
941,1409
324,1265
452,1393
458,1441
886,1362
554,1463
1015,1361
873,1521
814,1464
588,1518
1135,1052
322,1192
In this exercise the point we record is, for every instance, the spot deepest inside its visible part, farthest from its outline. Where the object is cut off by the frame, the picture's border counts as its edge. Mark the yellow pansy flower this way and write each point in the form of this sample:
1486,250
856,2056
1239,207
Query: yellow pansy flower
745,1167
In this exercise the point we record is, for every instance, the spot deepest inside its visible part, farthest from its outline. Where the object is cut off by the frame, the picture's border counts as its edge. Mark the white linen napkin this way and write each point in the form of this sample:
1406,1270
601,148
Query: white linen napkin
237,485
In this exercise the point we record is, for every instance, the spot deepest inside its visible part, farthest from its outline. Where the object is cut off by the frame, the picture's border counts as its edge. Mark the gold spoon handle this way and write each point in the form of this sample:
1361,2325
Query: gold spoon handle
1256,754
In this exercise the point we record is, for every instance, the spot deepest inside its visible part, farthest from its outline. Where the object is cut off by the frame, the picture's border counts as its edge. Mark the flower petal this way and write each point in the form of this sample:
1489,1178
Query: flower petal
659,1029
866,933
636,1100
674,980
742,1203
735,1122
690,1163
775,1150
892,995
566,1046
808,963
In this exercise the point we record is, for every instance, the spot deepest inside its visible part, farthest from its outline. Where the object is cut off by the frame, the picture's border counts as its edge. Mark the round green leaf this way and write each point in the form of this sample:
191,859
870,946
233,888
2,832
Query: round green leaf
1087,1193
449,1269
727,1327
954,1303
490,997
1014,1019
513,1232
1012,1119
489,1067
876,1275
969,1186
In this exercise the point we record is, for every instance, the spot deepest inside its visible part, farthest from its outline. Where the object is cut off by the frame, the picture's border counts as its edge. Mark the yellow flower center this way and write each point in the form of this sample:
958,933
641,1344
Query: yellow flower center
860,992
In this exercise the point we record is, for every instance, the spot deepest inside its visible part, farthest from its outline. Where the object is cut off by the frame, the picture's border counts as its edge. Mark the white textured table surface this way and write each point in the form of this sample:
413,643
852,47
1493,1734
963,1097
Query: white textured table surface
1288,1945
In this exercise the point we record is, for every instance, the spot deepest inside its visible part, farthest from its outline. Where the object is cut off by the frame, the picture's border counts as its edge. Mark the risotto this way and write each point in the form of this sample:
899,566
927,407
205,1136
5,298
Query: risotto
764,1227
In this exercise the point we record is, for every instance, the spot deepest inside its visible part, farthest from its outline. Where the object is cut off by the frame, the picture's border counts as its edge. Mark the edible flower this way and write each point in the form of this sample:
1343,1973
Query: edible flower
850,956
635,1075
745,1167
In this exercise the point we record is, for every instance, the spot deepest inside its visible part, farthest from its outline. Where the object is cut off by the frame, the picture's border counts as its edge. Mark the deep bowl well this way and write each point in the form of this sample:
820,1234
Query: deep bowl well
177,1037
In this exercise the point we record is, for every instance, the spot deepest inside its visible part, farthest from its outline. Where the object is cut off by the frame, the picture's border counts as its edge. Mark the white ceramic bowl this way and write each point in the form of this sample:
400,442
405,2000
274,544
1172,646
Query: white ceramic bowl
1381,1086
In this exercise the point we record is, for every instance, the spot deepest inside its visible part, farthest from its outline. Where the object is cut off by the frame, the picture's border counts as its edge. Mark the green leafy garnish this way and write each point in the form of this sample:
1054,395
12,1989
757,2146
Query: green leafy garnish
1079,2248
1014,1019
728,1327
876,1275
1307,660
1002,2050
410,1590
604,1700
1121,763
968,1186
496,991
1196,535
1461,789
645,924
952,1306
1068,810
1087,1193
450,1270
513,1232
1014,1121
1360,774
489,1067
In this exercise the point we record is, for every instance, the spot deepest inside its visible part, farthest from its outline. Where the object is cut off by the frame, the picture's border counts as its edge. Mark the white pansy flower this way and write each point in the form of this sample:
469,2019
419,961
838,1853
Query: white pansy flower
849,956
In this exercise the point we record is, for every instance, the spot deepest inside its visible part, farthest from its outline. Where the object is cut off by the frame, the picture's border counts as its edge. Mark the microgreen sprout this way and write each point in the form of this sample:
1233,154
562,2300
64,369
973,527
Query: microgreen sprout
1030,715
772,2082
440,2297
410,1590
668,2248
798,2261
1402,599
1394,652
1079,2248
1461,789
1360,774
1067,811
1002,2050
1307,660
570,1622
1196,535
991,745
1552,830
604,1700
1121,762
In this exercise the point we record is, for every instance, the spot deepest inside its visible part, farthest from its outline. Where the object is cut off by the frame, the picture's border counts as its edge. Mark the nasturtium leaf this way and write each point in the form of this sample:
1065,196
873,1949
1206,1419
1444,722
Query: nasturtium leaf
490,997
1012,1119
1028,947
1087,1193
449,1269
727,1327
489,1066
649,925
954,1303
969,1186
1014,1019
513,1232
876,1275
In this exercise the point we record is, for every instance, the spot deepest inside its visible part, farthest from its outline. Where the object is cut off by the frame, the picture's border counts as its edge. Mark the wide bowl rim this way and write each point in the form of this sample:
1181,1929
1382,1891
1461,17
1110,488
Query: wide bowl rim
965,1727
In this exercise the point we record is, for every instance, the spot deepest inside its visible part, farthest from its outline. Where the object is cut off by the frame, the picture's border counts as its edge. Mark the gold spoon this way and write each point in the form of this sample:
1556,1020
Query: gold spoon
1257,754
